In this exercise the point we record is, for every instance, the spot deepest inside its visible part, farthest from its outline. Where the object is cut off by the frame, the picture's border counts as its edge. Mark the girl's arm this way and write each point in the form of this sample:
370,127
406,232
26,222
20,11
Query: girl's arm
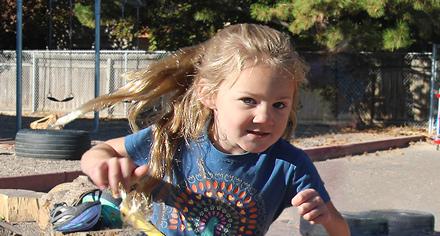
313,209
108,164
336,225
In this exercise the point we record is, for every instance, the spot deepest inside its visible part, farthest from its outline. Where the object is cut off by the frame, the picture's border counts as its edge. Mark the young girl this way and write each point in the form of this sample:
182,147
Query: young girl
216,160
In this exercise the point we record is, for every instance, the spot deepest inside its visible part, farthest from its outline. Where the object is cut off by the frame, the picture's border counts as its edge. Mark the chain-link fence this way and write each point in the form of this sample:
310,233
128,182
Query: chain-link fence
60,81
373,88
365,88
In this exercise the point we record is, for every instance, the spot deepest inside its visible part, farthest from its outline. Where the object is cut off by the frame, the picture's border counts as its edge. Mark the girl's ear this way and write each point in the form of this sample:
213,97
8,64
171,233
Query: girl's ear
205,97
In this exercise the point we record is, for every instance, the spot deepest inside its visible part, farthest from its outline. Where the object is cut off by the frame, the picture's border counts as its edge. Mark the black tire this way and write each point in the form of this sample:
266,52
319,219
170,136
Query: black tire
406,222
361,224
52,144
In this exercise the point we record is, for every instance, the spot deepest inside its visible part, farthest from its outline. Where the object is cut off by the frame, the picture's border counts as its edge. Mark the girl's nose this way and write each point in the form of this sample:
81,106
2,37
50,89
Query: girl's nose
263,115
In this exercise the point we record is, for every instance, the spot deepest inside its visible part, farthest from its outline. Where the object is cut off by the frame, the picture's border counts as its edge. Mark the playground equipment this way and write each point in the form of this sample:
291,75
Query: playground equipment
437,136
69,78
435,121
19,44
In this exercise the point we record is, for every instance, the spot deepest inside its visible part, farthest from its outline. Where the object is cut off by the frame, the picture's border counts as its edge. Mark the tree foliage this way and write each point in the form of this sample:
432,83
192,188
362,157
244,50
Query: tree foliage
45,26
174,24
33,21
360,25
162,24
369,25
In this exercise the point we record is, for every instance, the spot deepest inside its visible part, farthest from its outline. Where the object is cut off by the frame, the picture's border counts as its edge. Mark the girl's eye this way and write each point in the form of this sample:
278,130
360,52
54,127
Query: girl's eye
279,105
248,101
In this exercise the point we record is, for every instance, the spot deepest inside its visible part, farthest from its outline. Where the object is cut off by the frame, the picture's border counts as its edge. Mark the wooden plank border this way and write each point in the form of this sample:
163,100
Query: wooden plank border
335,151
39,183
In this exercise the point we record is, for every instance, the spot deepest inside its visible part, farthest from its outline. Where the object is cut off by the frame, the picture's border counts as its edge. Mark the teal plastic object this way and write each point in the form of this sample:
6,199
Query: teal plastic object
110,213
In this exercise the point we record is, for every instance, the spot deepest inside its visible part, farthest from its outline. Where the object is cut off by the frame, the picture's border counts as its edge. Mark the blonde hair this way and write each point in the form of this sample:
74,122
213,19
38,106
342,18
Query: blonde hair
178,76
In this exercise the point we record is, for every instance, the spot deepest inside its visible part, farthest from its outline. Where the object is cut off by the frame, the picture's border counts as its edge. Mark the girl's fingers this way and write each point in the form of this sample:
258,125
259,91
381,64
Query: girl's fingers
311,215
115,171
317,215
127,168
114,175
100,176
303,196
309,205
140,172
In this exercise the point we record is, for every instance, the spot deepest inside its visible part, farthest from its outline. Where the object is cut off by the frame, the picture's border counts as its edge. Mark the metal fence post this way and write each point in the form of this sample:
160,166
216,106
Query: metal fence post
19,72
35,88
432,87
110,82
125,61
125,80
110,75
97,59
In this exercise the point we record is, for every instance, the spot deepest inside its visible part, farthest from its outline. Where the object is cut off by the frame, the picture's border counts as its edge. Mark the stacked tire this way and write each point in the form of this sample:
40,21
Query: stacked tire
406,222
379,223
52,144
360,225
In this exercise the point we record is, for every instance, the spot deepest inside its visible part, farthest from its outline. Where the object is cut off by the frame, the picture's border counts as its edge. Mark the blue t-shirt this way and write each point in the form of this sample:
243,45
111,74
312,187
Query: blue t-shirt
214,193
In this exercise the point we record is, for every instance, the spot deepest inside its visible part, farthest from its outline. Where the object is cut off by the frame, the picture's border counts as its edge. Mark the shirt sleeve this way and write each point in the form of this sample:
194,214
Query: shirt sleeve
138,146
305,176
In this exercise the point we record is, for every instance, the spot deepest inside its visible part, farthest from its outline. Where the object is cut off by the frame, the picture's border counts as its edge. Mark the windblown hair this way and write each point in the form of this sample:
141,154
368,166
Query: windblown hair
208,64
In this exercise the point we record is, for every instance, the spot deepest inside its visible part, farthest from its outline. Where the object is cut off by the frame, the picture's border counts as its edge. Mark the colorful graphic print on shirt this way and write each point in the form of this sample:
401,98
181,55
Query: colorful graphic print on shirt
212,206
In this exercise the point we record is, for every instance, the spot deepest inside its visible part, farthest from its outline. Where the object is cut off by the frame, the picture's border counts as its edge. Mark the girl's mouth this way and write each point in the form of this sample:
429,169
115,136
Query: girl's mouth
258,133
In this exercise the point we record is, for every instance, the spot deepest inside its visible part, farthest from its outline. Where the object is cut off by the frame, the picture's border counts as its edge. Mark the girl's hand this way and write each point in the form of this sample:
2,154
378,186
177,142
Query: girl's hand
311,206
111,172
107,164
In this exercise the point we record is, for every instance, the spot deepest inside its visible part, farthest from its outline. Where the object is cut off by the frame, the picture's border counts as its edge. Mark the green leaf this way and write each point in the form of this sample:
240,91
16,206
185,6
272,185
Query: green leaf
333,37
205,15
85,15
261,12
398,37
374,8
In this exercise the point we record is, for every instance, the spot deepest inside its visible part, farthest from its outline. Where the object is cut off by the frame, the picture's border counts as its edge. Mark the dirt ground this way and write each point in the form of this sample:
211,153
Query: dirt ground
305,136
404,179
387,179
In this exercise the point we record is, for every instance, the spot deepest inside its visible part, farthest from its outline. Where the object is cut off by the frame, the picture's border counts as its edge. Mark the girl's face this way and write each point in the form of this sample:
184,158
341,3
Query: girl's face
251,113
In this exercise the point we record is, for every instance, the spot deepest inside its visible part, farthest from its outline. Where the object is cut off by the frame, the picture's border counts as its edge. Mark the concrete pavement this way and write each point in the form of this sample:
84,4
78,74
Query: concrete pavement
406,179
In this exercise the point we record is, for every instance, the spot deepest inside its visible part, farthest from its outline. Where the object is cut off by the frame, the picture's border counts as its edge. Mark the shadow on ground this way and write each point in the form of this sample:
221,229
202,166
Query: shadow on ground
112,128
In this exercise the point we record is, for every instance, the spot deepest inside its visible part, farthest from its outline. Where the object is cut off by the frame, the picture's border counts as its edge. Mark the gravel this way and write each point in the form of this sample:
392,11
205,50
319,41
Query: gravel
306,136
19,166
